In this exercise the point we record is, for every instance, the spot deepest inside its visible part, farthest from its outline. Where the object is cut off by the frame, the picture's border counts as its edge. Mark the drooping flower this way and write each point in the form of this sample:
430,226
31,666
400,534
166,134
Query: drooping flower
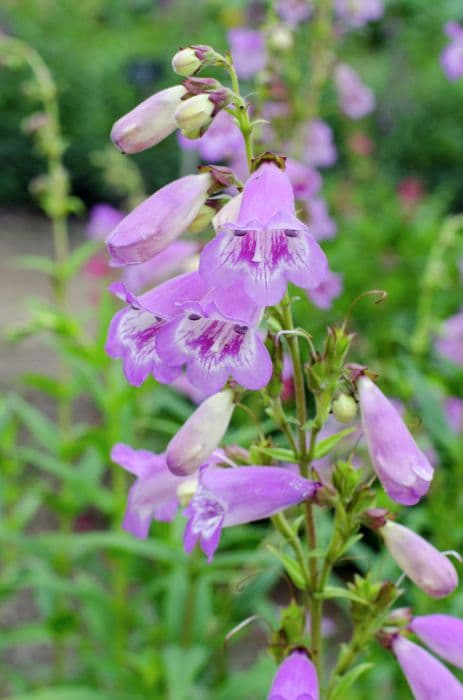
247,47
452,56
305,180
153,496
319,148
294,11
133,331
149,122
427,677
428,568
220,142
356,99
321,225
443,634
327,291
268,246
201,434
174,260
102,219
450,340
296,679
159,220
402,468
227,497
216,338
356,13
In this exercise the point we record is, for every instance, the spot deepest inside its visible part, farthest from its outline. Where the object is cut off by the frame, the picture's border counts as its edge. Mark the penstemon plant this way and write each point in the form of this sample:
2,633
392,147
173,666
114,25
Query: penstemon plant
226,328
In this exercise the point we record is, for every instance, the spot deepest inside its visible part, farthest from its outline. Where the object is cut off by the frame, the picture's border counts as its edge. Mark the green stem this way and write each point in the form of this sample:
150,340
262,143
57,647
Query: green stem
431,281
242,114
282,525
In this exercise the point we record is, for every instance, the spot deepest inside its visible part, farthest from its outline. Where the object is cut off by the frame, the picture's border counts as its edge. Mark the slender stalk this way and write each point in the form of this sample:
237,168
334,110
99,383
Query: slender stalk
282,525
242,114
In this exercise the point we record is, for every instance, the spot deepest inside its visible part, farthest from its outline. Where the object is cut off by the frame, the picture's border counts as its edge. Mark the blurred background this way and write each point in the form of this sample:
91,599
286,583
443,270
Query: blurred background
86,612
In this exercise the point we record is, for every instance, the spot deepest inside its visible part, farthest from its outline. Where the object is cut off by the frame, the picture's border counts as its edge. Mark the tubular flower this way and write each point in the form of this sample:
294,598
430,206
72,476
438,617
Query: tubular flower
327,291
268,246
450,340
452,56
319,149
149,123
294,11
153,496
248,51
133,331
296,679
402,468
177,258
159,220
356,99
427,677
201,434
356,13
428,568
443,634
306,181
321,225
227,497
102,219
216,338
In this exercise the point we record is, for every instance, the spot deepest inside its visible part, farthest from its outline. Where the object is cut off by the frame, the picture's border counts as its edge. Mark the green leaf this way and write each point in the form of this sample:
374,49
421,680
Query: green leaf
292,567
279,453
182,666
40,427
35,262
79,257
349,679
325,446
337,592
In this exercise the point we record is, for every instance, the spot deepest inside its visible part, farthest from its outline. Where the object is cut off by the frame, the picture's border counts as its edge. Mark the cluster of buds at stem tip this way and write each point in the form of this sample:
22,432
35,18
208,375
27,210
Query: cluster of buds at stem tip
203,99
193,58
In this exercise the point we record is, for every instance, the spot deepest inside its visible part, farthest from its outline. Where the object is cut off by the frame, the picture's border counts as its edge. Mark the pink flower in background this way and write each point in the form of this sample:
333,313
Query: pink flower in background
174,260
453,408
305,180
356,99
361,144
102,219
296,679
450,340
427,677
228,497
319,148
268,246
356,13
410,191
294,11
248,51
153,496
220,142
452,56
327,291
321,225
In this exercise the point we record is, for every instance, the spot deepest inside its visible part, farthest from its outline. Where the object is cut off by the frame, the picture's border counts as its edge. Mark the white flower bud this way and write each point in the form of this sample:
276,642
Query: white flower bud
344,408
203,219
186,63
194,115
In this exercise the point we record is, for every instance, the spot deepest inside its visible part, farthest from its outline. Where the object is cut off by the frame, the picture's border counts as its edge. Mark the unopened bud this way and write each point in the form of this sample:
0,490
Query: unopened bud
194,115
186,63
186,491
281,38
148,123
344,408
203,219
201,434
